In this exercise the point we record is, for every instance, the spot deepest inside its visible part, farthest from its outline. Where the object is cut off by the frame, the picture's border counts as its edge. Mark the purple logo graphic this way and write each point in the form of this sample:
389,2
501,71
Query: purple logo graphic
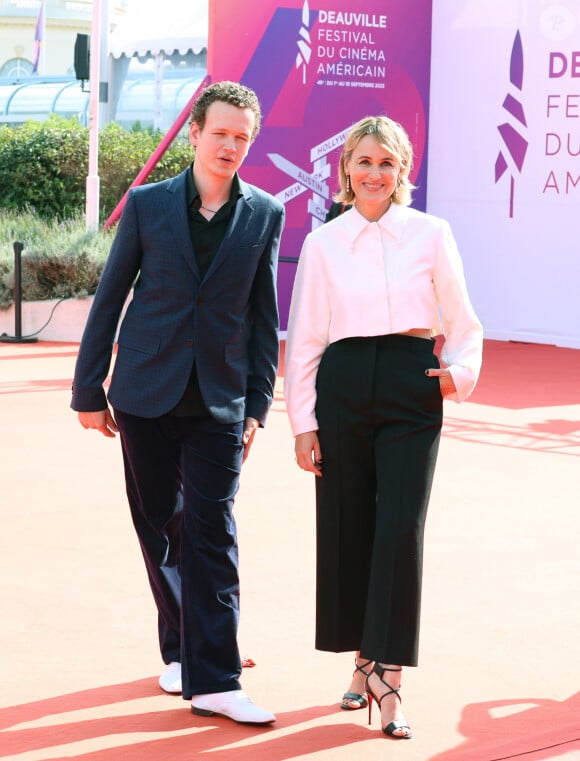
515,143
304,44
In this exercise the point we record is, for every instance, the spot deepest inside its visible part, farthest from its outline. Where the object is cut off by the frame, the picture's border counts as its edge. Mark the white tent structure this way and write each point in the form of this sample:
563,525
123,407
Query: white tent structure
183,27
151,64
157,60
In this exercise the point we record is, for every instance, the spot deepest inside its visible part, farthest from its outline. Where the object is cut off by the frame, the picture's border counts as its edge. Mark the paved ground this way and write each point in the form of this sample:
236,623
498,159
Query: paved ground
500,649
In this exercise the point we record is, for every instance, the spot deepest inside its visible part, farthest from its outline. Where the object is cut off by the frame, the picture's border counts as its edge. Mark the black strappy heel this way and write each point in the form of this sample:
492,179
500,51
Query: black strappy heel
353,701
393,726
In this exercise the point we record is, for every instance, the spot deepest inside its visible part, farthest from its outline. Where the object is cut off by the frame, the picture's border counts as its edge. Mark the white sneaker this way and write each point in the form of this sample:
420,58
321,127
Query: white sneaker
170,679
234,704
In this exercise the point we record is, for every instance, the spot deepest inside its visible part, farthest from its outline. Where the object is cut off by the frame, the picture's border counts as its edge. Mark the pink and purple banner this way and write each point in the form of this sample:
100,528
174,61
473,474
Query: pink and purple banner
318,68
38,39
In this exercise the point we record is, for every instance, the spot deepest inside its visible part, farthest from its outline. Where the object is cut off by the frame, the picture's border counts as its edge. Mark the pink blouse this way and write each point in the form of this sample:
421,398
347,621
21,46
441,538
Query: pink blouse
361,278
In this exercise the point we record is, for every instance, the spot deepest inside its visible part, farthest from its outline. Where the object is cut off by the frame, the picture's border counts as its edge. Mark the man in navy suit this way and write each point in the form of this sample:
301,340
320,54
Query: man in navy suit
192,381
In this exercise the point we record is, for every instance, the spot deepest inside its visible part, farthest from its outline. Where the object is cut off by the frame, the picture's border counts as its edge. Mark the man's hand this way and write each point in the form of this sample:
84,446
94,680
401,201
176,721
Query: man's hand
250,427
101,421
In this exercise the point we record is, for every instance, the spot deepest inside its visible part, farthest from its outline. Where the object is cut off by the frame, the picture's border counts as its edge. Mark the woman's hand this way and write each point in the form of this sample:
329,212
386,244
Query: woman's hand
308,454
446,382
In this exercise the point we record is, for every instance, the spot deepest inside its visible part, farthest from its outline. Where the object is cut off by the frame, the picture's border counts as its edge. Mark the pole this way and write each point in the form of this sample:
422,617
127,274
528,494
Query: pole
17,338
104,115
92,187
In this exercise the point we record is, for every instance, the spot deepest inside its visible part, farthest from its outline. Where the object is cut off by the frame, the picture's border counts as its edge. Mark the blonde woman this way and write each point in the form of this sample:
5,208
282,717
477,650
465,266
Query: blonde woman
364,393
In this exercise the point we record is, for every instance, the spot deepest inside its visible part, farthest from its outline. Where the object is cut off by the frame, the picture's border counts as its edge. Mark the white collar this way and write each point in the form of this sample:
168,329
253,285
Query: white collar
392,221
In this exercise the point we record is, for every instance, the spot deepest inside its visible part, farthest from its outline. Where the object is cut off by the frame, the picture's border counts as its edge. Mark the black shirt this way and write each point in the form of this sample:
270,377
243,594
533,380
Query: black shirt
206,238
336,208
207,235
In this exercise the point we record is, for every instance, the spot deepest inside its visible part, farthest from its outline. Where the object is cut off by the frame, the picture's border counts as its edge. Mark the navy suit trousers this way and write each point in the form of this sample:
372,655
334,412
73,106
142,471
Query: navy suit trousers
182,474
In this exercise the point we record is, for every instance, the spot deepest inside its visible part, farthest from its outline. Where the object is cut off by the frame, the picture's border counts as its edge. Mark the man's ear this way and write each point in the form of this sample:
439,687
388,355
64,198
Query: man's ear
194,133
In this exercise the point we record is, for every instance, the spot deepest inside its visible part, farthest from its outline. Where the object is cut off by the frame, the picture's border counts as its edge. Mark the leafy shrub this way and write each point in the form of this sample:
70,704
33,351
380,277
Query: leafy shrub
41,166
122,155
44,165
59,259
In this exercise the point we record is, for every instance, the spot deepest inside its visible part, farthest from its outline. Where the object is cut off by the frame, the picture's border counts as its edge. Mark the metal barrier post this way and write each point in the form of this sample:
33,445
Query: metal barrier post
18,337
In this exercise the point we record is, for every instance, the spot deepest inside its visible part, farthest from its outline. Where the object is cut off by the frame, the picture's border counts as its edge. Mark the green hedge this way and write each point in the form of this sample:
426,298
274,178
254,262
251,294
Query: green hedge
44,165
43,173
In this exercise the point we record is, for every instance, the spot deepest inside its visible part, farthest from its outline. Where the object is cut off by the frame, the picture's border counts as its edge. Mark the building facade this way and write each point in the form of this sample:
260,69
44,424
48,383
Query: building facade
150,67
63,20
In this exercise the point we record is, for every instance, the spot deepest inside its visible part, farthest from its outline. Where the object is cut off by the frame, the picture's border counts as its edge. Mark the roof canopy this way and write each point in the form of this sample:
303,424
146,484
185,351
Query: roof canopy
183,26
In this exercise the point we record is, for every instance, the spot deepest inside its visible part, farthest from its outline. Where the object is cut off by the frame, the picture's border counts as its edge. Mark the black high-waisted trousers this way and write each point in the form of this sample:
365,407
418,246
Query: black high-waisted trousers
379,420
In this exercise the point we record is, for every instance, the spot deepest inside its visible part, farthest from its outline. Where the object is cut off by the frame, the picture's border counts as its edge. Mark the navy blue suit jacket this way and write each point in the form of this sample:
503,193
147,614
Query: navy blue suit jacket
226,322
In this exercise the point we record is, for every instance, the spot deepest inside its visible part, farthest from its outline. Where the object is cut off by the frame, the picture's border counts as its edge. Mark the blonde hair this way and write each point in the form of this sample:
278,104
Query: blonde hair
394,138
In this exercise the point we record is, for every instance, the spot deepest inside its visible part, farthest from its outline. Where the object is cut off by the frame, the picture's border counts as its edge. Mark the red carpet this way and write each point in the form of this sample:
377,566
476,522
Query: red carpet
500,642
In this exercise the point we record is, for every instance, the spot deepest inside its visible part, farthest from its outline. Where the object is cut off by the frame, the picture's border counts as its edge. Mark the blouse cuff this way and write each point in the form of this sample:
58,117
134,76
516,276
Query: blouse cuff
464,382
303,424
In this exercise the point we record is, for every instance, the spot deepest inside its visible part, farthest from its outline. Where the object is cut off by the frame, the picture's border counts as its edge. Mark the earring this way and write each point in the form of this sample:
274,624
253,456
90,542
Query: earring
348,183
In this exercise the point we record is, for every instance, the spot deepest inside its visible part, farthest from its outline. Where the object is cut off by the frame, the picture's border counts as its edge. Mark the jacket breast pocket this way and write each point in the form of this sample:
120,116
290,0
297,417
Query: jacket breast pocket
250,249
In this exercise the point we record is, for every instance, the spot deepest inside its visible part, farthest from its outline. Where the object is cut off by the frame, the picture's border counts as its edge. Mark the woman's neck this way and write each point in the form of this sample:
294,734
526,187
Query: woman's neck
372,212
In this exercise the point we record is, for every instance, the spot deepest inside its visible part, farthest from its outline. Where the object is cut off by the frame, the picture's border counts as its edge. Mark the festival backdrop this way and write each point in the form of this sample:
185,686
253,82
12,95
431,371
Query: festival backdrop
504,159
319,66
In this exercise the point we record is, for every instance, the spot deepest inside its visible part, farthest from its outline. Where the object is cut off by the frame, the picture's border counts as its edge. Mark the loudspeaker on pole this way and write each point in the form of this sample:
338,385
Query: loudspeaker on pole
82,57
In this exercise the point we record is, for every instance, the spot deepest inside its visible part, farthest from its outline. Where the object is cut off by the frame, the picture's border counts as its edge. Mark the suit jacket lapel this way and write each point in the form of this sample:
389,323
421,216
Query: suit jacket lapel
179,222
